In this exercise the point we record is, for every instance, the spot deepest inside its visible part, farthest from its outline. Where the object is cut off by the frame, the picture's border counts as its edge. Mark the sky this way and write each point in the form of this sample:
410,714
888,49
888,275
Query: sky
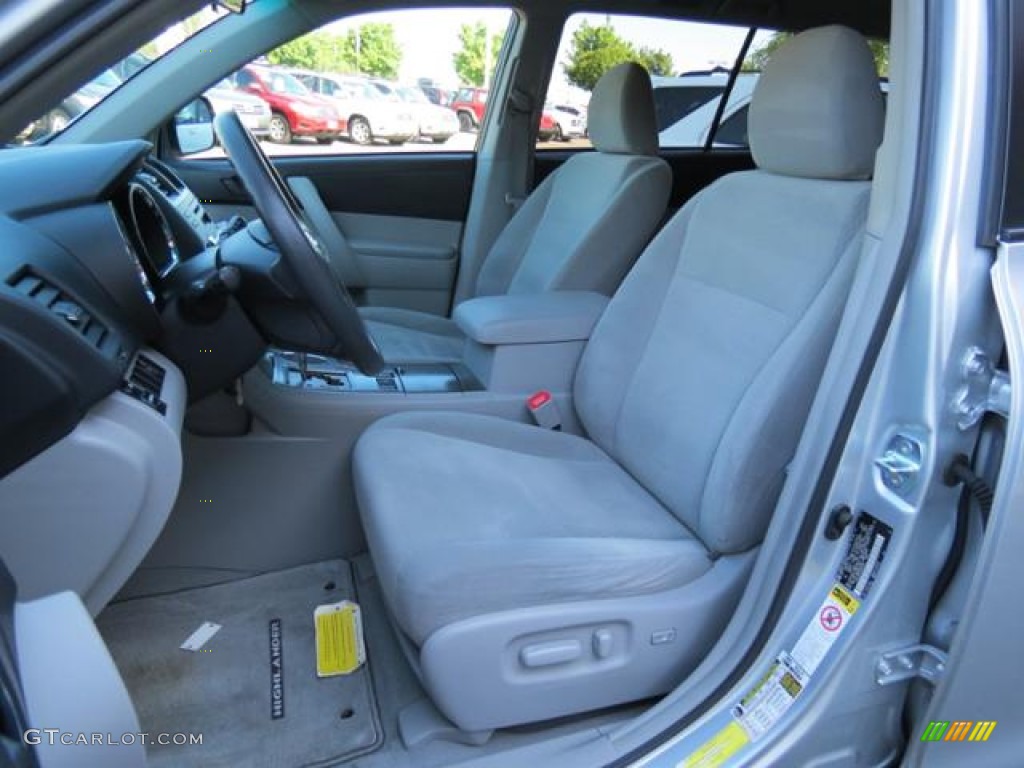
429,39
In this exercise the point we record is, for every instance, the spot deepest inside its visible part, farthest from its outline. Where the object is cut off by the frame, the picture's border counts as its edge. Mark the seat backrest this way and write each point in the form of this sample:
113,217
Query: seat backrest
584,226
699,376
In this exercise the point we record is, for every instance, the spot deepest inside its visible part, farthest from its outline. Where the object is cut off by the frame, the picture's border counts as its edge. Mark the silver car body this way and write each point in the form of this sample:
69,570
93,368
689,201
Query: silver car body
435,122
254,111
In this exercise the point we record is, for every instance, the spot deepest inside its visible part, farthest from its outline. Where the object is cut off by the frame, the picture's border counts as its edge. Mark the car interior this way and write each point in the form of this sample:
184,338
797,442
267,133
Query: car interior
544,463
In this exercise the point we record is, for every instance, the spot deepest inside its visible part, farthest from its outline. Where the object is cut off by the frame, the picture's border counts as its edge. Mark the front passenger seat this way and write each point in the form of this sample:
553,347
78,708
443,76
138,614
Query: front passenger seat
535,574
580,230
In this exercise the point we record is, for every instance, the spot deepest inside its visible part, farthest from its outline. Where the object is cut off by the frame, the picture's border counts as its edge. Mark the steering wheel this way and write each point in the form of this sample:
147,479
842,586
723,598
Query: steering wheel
300,247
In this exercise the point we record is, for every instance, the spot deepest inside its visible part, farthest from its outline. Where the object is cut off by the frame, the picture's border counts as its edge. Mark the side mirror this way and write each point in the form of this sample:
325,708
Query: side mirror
193,127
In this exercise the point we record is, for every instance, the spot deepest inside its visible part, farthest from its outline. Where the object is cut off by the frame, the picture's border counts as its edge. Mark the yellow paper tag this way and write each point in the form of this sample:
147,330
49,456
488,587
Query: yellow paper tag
339,639
719,748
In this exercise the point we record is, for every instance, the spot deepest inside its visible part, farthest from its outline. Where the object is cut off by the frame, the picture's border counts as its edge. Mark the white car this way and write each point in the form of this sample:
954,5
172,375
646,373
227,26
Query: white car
686,106
436,123
569,123
370,115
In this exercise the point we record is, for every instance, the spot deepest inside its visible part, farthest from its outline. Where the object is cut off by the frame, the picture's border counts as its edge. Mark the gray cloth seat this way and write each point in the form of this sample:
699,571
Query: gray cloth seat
580,230
535,574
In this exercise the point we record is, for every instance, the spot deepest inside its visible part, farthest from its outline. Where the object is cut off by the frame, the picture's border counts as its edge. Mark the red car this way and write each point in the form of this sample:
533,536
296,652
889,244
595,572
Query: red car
548,126
296,110
470,103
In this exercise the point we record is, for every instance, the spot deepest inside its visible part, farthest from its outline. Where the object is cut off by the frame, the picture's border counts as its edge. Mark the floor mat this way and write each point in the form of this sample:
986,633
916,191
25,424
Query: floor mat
224,691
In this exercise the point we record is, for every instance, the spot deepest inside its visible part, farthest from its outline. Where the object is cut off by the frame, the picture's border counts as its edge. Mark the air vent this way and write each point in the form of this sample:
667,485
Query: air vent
166,177
387,382
145,383
61,304
159,183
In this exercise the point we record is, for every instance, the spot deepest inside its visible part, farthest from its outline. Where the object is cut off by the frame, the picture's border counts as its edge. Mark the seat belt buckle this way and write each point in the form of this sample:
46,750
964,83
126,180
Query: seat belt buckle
544,411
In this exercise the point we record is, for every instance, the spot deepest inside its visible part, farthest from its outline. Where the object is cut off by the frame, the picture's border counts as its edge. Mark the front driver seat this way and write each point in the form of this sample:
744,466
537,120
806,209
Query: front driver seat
580,230
534,573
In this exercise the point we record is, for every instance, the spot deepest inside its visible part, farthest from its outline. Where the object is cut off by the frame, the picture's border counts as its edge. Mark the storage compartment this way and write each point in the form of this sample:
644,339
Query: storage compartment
306,371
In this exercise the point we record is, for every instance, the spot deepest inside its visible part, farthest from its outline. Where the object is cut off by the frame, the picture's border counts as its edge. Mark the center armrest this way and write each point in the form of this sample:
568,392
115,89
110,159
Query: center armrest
536,318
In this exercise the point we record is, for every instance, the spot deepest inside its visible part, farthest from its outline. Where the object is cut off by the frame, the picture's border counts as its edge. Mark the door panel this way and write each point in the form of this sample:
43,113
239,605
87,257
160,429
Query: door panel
401,213
405,262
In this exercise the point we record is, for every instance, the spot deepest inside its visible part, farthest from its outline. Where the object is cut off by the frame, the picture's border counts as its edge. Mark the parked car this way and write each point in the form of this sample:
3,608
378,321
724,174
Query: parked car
685,107
296,111
254,111
434,123
568,124
368,114
469,105
547,128
58,118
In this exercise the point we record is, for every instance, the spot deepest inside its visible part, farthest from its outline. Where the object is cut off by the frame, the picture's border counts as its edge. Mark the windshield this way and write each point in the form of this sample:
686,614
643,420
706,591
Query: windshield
413,95
282,82
386,92
365,91
58,116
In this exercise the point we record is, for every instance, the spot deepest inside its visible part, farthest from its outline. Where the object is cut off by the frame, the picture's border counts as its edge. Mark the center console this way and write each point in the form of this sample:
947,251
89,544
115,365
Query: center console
300,370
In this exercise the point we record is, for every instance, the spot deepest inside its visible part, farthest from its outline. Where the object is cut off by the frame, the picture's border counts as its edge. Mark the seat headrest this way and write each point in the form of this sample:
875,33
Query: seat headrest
817,111
621,114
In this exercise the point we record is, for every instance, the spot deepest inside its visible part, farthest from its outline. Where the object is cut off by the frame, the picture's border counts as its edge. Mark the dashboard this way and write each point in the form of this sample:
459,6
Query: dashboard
97,245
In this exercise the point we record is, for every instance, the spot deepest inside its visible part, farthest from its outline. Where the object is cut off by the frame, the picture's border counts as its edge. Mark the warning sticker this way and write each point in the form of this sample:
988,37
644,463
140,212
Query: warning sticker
718,748
767,701
864,557
819,635
339,639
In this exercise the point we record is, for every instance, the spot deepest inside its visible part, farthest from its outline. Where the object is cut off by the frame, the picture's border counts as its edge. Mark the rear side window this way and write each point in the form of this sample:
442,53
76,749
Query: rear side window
689,63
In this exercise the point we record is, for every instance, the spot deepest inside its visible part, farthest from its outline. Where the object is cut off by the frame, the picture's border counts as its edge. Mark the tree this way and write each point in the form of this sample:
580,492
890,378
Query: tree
655,61
596,49
319,51
756,59
474,63
370,49
373,50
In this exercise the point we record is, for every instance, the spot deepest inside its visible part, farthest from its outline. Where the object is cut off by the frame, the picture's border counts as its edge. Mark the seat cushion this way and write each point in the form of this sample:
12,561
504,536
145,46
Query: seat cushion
407,336
492,515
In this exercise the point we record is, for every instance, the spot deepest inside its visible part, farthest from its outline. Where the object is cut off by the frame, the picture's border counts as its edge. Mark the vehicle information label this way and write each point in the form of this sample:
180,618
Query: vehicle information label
767,701
864,557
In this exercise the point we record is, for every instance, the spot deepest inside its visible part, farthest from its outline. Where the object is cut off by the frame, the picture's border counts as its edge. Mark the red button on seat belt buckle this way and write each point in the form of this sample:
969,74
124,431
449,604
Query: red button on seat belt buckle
544,411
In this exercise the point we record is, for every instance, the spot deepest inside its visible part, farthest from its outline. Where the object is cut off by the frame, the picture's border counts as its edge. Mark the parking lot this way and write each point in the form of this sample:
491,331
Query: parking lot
460,142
